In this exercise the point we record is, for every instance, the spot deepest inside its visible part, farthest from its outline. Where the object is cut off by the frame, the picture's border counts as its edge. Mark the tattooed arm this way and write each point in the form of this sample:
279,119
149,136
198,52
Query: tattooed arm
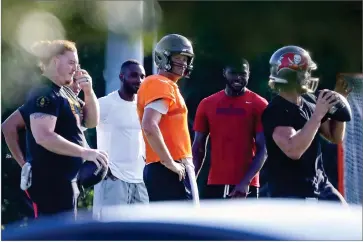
42,126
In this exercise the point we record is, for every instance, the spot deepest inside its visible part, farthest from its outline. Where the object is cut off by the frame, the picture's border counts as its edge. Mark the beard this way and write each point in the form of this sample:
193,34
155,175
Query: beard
130,89
238,87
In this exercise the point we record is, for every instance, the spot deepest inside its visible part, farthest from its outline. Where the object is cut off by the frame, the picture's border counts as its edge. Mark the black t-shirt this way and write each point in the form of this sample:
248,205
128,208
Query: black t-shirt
62,103
288,177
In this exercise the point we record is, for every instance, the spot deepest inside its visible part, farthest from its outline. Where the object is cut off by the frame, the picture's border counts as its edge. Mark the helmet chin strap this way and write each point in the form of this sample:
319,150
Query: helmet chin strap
179,65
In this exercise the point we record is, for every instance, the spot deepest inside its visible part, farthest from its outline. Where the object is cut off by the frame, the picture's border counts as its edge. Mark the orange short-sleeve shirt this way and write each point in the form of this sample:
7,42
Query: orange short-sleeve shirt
174,124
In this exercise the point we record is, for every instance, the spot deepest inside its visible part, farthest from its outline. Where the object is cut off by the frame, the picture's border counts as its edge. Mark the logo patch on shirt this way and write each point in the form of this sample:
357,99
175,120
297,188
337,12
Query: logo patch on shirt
42,101
230,111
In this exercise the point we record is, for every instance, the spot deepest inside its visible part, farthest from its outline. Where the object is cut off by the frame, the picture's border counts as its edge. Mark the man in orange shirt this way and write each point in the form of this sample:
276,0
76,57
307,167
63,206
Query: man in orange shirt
163,116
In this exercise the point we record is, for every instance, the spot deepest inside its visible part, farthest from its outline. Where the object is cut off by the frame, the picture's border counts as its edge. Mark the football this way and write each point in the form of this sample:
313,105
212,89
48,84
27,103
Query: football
340,111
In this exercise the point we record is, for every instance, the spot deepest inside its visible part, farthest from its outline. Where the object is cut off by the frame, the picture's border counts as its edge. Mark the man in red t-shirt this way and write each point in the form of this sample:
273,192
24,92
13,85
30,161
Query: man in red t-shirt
232,118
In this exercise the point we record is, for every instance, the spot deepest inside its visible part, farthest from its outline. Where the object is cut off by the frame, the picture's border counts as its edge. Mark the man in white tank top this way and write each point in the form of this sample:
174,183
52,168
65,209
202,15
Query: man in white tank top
119,134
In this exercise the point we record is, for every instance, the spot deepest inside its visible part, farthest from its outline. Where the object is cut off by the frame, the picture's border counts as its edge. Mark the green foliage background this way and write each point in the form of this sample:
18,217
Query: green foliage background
220,31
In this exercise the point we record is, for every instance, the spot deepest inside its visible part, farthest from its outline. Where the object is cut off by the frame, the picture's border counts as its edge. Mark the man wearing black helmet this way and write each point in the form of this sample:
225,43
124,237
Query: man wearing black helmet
163,116
292,122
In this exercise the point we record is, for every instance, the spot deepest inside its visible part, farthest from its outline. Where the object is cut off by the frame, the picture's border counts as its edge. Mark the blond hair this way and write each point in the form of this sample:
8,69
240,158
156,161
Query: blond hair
45,50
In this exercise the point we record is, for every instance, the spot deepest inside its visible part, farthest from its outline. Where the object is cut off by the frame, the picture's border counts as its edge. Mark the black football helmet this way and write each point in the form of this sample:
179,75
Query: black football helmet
173,44
89,174
293,63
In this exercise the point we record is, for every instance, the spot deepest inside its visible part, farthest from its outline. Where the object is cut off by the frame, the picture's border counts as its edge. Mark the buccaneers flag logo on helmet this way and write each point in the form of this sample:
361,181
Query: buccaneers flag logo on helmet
292,61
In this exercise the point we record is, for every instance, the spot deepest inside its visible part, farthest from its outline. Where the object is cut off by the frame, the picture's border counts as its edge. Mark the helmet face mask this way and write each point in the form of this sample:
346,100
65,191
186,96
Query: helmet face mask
172,45
307,82
292,65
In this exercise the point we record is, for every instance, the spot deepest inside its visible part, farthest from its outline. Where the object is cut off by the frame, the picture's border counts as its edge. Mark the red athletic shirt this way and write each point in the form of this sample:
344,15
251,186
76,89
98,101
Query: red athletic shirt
232,123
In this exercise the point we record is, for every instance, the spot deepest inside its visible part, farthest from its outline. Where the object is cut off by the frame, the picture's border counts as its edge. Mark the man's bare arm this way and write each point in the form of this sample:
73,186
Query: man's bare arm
91,110
333,131
10,128
258,160
42,126
294,143
199,150
150,126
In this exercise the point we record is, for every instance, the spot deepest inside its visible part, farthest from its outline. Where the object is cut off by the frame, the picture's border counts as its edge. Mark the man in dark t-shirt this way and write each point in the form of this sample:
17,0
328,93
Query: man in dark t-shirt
53,117
57,101
52,174
288,177
292,123
14,126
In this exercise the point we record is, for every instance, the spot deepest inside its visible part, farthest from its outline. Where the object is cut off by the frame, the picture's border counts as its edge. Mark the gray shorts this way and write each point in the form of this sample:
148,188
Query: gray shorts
117,192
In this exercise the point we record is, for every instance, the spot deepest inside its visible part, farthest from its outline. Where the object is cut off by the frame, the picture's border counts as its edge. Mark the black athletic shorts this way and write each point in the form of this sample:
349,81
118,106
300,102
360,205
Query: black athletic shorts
218,191
163,184
326,191
54,197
